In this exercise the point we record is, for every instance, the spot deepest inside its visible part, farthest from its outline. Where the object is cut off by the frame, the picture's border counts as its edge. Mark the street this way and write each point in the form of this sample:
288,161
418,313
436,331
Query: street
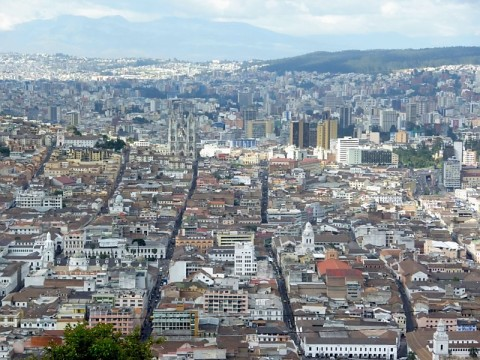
163,264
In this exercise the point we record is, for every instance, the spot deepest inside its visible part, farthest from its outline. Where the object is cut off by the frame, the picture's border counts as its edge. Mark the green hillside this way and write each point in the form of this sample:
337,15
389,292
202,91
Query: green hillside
376,61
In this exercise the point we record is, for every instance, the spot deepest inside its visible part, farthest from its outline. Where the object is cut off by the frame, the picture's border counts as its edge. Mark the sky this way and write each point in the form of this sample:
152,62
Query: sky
411,18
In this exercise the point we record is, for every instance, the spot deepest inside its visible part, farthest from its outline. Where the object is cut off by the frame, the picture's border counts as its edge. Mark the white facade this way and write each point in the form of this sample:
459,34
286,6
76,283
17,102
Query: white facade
345,344
470,158
37,199
48,253
245,261
452,169
388,118
80,141
343,144
354,156
440,342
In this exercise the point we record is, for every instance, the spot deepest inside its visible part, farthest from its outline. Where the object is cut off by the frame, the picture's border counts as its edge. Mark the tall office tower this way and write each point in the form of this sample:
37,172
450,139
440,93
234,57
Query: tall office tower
73,118
182,130
245,98
343,144
396,104
326,131
458,150
331,100
326,114
388,118
312,134
345,117
260,129
53,114
411,113
452,170
248,114
296,133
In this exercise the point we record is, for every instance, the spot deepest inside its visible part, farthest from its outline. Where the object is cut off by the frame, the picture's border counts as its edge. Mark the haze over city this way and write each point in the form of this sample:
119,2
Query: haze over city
234,30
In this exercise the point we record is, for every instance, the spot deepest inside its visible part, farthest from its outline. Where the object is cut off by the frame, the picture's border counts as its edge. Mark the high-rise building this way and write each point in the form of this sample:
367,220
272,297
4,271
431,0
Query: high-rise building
245,260
73,118
345,117
312,134
343,144
260,128
388,118
296,133
245,98
411,113
53,114
248,114
458,150
326,131
182,134
452,170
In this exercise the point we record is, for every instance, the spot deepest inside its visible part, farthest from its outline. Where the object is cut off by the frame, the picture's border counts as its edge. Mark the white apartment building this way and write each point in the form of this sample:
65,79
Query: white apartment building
452,170
343,144
38,199
245,261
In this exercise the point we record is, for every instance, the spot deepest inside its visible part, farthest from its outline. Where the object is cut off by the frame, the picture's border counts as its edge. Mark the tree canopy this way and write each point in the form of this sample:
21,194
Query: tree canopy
100,342
116,145
422,157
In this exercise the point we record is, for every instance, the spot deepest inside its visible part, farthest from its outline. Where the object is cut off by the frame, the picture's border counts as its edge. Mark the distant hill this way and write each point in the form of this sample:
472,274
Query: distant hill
376,61
185,39
197,39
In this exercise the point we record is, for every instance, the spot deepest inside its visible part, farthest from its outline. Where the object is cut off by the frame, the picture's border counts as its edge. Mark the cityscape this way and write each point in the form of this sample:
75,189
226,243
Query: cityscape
236,209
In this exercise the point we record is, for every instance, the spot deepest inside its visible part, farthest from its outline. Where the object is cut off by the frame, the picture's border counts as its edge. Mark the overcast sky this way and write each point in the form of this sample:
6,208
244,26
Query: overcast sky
438,18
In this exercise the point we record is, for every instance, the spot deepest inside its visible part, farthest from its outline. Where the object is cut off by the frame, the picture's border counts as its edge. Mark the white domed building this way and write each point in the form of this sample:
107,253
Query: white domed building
117,206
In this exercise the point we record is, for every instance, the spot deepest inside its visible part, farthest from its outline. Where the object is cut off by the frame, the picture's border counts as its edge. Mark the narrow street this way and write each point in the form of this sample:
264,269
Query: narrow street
407,308
163,264
288,316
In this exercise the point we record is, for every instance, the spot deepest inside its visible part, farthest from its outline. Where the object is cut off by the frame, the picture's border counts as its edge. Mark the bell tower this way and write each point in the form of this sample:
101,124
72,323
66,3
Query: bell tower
48,251
440,342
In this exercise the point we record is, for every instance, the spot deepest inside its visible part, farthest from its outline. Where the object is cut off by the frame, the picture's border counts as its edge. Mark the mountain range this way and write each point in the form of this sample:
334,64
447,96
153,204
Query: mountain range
187,39
376,61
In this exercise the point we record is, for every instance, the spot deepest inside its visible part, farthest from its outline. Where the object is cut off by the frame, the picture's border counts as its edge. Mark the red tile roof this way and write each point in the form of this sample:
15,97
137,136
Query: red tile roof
323,266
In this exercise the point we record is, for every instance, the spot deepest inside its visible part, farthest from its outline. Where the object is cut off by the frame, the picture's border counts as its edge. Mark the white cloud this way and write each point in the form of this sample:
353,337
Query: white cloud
442,18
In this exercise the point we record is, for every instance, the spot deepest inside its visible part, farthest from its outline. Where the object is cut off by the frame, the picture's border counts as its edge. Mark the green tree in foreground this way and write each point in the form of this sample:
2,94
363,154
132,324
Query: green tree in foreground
100,342
411,356
473,352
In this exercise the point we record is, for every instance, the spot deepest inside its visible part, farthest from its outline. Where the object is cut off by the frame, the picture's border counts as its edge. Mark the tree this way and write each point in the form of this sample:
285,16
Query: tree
411,356
473,352
99,342
5,151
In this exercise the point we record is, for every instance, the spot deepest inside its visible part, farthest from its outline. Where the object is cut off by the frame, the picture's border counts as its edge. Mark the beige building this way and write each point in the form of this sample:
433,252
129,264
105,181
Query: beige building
449,249
225,302
401,137
260,128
